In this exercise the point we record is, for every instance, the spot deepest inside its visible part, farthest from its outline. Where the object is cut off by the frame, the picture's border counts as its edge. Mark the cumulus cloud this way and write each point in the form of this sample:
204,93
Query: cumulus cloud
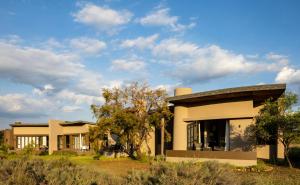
171,48
127,65
102,18
77,98
87,45
288,75
190,63
162,17
69,108
46,90
34,66
21,105
58,78
140,42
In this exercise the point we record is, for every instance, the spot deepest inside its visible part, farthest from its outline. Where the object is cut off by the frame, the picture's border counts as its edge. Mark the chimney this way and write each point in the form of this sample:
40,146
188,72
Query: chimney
182,91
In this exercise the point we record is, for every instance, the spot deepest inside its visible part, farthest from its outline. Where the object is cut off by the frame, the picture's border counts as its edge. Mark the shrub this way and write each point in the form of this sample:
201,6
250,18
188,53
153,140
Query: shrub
27,171
295,153
67,153
185,173
97,156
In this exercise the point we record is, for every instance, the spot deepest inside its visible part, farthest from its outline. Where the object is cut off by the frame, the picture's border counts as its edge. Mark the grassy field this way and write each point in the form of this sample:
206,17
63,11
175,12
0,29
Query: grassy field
112,166
127,171
121,166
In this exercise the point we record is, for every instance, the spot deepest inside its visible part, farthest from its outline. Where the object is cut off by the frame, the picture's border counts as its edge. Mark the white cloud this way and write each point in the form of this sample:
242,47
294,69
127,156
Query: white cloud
288,75
58,78
169,88
87,45
78,99
90,83
36,67
127,65
22,105
191,63
140,42
174,48
47,89
52,43
161,17
102,18
69,108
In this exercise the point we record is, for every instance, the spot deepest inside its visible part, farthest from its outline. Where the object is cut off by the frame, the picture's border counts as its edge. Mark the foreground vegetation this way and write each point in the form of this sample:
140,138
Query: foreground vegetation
78,170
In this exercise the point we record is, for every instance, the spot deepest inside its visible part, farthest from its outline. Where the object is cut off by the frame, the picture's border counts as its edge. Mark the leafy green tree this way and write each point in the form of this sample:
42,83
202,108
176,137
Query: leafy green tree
131,113
277,120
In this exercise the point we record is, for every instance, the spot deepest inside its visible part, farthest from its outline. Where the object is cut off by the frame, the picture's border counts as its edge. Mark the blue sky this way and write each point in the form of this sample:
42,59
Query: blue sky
56,56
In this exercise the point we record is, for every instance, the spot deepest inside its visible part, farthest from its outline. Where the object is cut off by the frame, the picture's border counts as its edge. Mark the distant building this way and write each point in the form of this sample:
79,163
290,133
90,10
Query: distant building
54,135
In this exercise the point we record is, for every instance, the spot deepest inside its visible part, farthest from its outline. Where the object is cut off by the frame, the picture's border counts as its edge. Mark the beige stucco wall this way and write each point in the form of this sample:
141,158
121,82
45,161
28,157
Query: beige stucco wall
75,129
239,109
151,144
239,137
31,130
179,129
55,130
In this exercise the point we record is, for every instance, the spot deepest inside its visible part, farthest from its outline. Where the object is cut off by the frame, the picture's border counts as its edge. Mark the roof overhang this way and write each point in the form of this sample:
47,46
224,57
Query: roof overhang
257,93
29,125
76,123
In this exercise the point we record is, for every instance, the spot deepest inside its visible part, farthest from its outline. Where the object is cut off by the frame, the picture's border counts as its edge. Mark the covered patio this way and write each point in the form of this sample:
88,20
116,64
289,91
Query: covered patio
208,135
78,142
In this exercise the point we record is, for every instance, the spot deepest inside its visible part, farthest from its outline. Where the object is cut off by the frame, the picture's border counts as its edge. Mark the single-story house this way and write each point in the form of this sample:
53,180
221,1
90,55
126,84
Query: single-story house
54,135
213,125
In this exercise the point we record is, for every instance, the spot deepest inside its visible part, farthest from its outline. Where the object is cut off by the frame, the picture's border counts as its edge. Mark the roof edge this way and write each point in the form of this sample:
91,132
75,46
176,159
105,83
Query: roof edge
280,86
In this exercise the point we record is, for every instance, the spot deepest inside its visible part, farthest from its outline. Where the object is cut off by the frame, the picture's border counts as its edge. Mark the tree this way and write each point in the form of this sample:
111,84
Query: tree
277,121
131,113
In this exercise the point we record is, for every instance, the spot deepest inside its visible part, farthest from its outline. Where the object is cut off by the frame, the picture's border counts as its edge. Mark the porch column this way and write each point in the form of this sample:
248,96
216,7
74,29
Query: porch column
227,135
205,135
180,126
80,141
199,133
162,140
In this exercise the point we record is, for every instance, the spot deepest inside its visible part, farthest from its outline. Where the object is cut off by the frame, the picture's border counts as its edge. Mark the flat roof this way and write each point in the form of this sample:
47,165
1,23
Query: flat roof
29,125
75,123
255,92
64,123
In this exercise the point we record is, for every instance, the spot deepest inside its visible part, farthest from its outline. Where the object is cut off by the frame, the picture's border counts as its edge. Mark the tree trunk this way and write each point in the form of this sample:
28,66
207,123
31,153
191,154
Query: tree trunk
286,155
139,153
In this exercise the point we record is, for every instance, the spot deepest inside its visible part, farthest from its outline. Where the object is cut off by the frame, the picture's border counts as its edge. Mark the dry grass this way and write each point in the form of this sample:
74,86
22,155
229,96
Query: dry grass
86,170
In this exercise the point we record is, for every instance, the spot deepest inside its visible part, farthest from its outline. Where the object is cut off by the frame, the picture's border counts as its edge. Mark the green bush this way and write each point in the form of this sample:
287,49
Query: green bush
97,156
185,173
27,171
67,153
295,153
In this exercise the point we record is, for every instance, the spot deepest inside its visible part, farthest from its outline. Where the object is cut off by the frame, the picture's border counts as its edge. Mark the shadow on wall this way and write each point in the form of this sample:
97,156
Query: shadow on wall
242,139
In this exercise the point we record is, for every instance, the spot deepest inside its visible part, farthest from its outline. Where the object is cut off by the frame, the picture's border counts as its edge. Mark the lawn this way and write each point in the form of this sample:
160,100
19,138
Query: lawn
118,166
54,169
121,167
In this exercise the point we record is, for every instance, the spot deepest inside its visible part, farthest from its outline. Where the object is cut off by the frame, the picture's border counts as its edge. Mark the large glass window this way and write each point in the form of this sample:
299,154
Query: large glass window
192,135
37,141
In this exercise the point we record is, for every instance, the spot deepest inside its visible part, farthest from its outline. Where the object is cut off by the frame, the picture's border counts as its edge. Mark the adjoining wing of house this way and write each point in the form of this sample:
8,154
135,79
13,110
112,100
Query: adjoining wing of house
208,125
54,135
214,125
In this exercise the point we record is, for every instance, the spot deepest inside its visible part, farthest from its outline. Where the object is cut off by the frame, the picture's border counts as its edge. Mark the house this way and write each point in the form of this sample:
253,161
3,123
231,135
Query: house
52,136
213,125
